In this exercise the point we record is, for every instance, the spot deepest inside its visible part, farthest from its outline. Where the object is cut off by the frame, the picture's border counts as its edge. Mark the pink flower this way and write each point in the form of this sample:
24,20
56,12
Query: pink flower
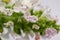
50,32
31,18
27,14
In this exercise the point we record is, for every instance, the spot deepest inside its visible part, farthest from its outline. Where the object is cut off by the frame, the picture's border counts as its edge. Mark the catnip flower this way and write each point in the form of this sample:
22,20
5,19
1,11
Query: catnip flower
24,5
8,24
50,32
27,3
8,12
31,18
35,26
27,14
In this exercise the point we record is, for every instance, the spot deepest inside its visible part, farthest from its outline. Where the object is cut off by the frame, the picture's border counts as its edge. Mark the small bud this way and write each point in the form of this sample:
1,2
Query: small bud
10,23
55,19
35,26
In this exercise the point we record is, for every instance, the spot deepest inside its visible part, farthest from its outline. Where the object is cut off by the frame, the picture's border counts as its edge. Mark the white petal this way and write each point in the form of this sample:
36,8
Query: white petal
33,19
5,30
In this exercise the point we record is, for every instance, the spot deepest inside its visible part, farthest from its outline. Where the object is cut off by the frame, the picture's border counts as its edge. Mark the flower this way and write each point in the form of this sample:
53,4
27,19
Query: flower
31,18
27,3
35,26
27,14
5,10
22,5
50,32
8,12
8,24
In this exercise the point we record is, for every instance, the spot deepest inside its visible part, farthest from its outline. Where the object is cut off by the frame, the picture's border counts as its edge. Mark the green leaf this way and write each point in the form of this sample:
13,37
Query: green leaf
10,6
38,13
1,28
0,39
31,11
6,1
17,29
57,27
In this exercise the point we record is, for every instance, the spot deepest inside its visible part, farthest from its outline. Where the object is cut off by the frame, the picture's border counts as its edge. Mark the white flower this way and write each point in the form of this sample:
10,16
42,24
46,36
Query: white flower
5,31
27,14
31,18
34,19
8,12
27,3
22,5
9,23
3,9
35,26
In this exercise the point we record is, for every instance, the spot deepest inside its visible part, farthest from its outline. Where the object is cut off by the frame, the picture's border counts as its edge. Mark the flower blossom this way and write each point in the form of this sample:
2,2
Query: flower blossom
31,18
35,26
8,24
50,32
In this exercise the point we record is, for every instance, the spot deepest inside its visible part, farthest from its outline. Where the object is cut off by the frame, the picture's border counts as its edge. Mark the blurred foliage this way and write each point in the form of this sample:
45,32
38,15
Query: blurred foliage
36,13
21,24
6,1
0,39
10,6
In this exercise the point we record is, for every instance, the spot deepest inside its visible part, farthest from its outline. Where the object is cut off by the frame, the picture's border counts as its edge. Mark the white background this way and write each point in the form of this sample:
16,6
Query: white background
54,5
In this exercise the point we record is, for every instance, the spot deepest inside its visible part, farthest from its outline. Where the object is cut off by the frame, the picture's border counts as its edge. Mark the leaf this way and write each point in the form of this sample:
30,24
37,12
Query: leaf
31,11
17,14
38,13
6,1
1,28
57,27
17,29
10,6
0,39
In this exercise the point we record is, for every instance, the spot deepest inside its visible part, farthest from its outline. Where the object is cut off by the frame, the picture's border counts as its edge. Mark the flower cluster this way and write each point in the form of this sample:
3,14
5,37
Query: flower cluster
26,16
